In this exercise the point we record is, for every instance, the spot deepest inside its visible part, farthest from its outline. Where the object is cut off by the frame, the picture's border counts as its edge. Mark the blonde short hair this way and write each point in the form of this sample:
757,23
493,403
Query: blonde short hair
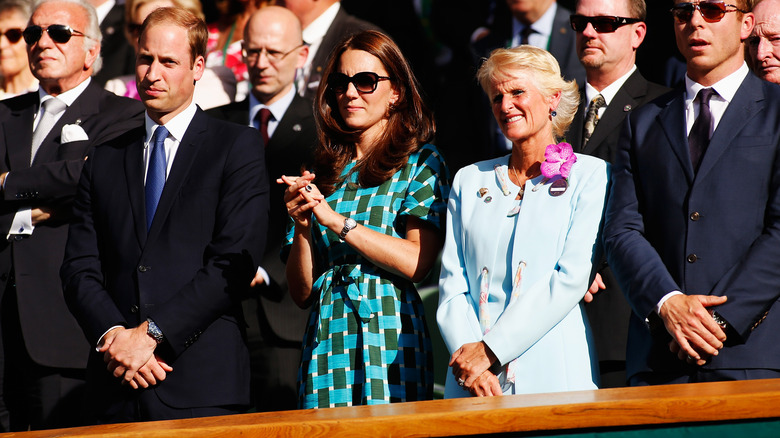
546,76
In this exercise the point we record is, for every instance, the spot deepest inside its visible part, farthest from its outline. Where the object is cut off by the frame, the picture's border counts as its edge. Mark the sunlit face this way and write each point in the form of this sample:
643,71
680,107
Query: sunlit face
165,73
367,112
13,56
271,32
713,50
608,51
521,110
61,66
764,42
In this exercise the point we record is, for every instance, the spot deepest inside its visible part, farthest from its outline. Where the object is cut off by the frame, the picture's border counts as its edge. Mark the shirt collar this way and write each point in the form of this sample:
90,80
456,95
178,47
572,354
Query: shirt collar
103,10
317,29
177,126
726,87
609,92
542,26
277,108
68,97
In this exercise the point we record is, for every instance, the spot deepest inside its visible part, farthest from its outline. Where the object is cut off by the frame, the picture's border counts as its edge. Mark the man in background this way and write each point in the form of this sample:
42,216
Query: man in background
764,41
46,137
607,48
324,24
273,51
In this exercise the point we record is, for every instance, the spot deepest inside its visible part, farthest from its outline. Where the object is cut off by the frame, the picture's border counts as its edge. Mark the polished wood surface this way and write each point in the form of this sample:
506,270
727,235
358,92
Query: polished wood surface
691,403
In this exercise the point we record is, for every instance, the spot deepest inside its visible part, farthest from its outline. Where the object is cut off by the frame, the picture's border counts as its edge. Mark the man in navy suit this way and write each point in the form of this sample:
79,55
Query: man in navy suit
693,220
607,48
169,222
44,350
273,51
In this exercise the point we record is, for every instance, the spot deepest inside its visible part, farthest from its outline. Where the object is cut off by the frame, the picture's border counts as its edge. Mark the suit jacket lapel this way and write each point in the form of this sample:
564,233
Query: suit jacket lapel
672,121
182,162
18,131
747,102
290,125
134,175
627,96
84,106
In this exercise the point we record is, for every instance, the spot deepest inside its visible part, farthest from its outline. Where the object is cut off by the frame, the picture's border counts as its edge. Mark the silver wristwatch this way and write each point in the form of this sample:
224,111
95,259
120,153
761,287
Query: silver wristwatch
154,331
349,225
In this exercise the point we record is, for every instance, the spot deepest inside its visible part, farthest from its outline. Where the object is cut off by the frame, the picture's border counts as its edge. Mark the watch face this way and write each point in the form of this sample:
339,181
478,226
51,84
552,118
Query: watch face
350,223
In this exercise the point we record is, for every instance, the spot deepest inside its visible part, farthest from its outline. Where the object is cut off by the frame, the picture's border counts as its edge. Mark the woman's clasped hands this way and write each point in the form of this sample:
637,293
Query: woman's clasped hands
471,367
301,197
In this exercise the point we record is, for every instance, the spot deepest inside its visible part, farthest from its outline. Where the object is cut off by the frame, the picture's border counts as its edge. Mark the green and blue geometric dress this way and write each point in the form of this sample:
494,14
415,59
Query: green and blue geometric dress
366,341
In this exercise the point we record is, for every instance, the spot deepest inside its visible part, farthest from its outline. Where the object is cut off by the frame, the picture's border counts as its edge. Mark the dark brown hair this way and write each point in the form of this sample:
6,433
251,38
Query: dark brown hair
410,123
197,33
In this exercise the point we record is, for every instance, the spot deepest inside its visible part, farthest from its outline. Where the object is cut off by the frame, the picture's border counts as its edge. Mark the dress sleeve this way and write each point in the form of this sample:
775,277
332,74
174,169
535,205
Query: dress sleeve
426,198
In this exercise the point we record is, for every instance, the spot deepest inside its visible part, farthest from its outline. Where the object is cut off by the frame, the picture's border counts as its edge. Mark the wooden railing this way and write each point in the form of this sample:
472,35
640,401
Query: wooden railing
645,407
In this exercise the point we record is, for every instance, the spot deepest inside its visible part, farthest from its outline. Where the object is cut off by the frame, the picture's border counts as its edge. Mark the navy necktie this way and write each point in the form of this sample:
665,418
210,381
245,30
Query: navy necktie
155,174
699,137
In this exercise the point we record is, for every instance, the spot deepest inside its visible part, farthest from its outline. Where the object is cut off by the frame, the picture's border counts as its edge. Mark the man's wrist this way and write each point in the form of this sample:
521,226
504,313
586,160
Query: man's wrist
154,332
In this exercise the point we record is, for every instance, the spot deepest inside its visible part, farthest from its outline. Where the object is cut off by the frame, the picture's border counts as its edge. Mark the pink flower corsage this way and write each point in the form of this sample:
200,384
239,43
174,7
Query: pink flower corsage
559,158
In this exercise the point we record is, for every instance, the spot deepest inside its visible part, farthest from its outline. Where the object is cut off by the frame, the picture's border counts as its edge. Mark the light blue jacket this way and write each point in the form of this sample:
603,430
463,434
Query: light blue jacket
546,327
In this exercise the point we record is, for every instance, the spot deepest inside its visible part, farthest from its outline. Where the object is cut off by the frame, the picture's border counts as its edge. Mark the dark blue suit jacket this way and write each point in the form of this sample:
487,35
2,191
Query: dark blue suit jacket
713,233
187,273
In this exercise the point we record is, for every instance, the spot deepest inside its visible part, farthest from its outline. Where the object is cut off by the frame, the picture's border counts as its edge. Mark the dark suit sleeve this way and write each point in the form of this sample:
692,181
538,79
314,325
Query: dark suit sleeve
636,264
752,284
82,272
232,255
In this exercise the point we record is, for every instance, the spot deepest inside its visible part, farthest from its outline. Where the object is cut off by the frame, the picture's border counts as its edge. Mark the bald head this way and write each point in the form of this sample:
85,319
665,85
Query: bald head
273,51
764,42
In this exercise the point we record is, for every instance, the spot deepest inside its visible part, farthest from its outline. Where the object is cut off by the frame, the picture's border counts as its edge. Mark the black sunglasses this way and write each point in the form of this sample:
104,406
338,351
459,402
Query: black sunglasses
712,12
59,33
601,24
365,82
13,35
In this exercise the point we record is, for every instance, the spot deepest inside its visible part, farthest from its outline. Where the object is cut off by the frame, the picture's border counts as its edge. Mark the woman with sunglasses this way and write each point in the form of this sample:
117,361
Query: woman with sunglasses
366,225
521,235
15,75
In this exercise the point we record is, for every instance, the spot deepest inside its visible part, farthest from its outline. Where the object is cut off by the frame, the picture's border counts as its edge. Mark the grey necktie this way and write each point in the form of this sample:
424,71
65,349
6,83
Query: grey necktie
592,118
51,112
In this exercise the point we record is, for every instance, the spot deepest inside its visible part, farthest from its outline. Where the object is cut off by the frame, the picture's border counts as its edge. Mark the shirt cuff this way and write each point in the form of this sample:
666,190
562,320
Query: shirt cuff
264,274
663,300
100,341
22,223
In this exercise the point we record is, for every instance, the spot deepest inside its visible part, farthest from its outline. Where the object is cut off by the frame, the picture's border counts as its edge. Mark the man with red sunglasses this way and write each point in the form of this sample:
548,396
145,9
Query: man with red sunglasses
608,34
46,136
693,220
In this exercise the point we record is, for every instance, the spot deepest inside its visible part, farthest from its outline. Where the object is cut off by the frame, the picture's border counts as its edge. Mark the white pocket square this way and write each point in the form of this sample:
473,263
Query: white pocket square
73,132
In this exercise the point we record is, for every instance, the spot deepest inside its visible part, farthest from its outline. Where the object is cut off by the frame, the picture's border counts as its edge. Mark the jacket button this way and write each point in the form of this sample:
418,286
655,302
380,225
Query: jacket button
692,258
134,309
695,216
142,268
